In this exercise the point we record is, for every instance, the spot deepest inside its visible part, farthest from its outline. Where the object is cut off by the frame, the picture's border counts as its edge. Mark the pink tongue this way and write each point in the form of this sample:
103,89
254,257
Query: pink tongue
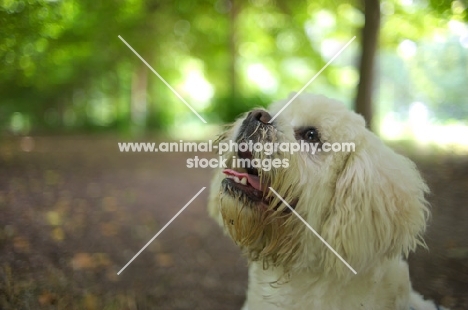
253,180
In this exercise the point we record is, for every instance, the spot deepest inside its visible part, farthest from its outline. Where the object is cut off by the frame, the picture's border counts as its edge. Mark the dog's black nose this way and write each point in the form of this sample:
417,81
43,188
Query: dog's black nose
259,115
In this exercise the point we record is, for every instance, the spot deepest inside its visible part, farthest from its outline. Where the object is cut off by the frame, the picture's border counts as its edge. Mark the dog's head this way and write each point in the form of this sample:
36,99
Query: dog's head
368,203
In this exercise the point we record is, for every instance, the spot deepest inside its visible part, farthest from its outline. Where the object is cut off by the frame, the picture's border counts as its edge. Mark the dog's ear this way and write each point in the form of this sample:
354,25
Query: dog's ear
378,209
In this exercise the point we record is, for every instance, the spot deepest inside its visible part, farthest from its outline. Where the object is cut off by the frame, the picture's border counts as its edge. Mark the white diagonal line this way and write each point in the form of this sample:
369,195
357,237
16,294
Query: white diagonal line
161,230
310,227
312,79
163,80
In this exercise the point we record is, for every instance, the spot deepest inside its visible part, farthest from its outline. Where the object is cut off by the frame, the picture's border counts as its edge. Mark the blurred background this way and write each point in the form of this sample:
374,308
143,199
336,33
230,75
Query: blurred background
74,210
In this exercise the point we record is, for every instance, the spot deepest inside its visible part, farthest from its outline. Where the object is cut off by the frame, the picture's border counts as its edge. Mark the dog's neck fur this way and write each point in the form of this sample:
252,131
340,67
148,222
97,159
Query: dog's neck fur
388,287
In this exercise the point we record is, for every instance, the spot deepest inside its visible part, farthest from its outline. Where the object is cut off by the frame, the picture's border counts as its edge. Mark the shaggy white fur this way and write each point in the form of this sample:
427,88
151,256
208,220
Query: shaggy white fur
368,205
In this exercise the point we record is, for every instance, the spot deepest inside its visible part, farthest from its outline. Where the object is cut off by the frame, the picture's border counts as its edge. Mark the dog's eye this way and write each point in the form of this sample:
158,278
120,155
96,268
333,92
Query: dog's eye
311,135
307,133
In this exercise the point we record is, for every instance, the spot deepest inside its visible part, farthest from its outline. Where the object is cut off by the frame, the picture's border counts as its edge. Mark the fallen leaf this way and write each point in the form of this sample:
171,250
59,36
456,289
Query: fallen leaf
21,244
47,298
58,234
82,261
54,218
90,302
102,259
109,229
165,259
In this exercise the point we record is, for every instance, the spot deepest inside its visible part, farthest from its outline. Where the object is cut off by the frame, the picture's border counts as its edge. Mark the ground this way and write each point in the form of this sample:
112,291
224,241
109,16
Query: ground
74,211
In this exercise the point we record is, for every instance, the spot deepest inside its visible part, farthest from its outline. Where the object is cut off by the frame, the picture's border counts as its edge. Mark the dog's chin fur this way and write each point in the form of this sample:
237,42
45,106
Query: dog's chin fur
369,206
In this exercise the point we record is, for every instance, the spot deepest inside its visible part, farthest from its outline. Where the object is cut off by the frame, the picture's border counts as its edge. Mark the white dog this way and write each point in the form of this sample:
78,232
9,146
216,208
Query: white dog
367,204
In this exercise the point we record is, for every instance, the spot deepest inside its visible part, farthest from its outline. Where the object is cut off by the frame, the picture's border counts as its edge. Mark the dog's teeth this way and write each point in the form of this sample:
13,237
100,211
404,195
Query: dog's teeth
242,181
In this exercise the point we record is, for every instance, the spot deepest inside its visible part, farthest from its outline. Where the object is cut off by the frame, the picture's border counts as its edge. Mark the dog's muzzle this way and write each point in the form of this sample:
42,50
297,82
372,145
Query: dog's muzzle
253,124
258,115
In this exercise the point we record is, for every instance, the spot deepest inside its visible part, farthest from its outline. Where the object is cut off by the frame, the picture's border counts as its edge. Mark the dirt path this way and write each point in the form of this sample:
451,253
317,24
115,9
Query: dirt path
74,211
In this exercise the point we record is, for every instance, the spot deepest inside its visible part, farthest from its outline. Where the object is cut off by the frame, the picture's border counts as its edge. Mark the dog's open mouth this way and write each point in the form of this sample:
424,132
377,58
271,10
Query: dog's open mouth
246,181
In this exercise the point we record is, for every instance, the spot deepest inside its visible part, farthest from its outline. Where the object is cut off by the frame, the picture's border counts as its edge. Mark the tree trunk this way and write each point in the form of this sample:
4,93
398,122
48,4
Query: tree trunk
233,50
138,108
369,39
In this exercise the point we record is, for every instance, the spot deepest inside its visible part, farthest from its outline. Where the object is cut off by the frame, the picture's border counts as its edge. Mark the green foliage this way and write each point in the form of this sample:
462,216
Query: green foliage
64,67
